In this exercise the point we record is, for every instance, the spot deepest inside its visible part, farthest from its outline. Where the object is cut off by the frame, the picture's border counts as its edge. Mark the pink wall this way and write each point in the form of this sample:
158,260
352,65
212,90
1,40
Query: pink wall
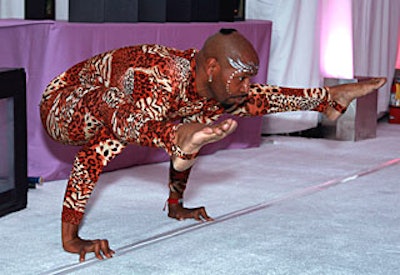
398,50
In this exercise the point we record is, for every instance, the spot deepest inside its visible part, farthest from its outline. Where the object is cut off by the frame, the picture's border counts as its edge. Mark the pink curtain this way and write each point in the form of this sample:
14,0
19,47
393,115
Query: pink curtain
376,30
295,48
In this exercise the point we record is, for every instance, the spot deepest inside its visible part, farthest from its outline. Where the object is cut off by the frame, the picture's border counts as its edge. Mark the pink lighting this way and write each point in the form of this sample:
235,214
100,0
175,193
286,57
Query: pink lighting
398,50
398,58
336,39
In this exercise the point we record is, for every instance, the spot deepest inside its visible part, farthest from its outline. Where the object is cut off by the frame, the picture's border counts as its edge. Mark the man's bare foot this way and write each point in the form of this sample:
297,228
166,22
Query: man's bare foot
192,136
344,94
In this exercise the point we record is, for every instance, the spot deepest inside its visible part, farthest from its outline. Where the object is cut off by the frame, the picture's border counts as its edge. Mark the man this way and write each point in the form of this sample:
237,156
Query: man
158,96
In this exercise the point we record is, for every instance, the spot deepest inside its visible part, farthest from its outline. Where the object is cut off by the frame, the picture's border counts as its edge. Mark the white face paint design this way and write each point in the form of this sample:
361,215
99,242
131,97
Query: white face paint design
240,67
243,67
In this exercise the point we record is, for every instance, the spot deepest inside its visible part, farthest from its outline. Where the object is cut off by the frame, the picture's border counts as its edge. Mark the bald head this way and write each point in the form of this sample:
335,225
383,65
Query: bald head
230,44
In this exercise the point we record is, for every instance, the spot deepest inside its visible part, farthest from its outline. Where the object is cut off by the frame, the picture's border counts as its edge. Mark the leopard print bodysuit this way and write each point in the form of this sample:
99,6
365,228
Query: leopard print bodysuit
140,95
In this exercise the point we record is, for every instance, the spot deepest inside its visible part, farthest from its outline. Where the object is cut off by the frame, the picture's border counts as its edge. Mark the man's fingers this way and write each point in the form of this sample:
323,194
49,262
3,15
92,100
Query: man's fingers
181,213
99,247
97,250
196,216
82,255
204,215
107,251
200,214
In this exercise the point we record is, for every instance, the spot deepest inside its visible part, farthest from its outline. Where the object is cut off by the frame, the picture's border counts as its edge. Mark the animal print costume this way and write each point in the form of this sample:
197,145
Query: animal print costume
141,94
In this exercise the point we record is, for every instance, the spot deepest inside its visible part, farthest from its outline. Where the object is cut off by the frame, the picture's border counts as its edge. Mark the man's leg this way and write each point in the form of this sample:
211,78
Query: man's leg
331,101
344,94
190,138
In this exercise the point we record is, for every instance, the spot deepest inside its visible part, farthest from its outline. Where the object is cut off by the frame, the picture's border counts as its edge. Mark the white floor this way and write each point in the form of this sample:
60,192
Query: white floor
292,206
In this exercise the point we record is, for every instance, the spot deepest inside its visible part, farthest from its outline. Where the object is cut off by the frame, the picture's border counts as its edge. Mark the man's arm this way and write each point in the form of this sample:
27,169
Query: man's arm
88,165
177,186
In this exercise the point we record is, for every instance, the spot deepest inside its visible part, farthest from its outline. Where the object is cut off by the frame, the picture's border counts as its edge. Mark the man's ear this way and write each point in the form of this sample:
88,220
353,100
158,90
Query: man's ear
212,65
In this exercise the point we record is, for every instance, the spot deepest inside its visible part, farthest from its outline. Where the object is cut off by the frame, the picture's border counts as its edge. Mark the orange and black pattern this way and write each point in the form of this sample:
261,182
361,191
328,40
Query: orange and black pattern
138,95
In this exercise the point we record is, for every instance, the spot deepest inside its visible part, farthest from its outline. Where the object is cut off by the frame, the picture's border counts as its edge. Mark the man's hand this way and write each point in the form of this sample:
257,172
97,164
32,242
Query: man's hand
177,211
74,244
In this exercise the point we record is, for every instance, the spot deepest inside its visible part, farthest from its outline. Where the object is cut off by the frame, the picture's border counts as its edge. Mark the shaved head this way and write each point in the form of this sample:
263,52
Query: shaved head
230,44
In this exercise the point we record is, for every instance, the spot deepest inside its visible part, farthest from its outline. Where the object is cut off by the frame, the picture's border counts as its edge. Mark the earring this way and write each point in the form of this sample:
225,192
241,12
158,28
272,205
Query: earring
210,78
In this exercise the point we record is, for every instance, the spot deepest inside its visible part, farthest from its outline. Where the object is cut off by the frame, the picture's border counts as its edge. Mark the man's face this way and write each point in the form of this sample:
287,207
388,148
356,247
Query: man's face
234,81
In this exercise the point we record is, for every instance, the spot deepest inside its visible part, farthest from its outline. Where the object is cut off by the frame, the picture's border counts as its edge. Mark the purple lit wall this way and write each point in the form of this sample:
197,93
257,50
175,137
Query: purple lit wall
336,39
